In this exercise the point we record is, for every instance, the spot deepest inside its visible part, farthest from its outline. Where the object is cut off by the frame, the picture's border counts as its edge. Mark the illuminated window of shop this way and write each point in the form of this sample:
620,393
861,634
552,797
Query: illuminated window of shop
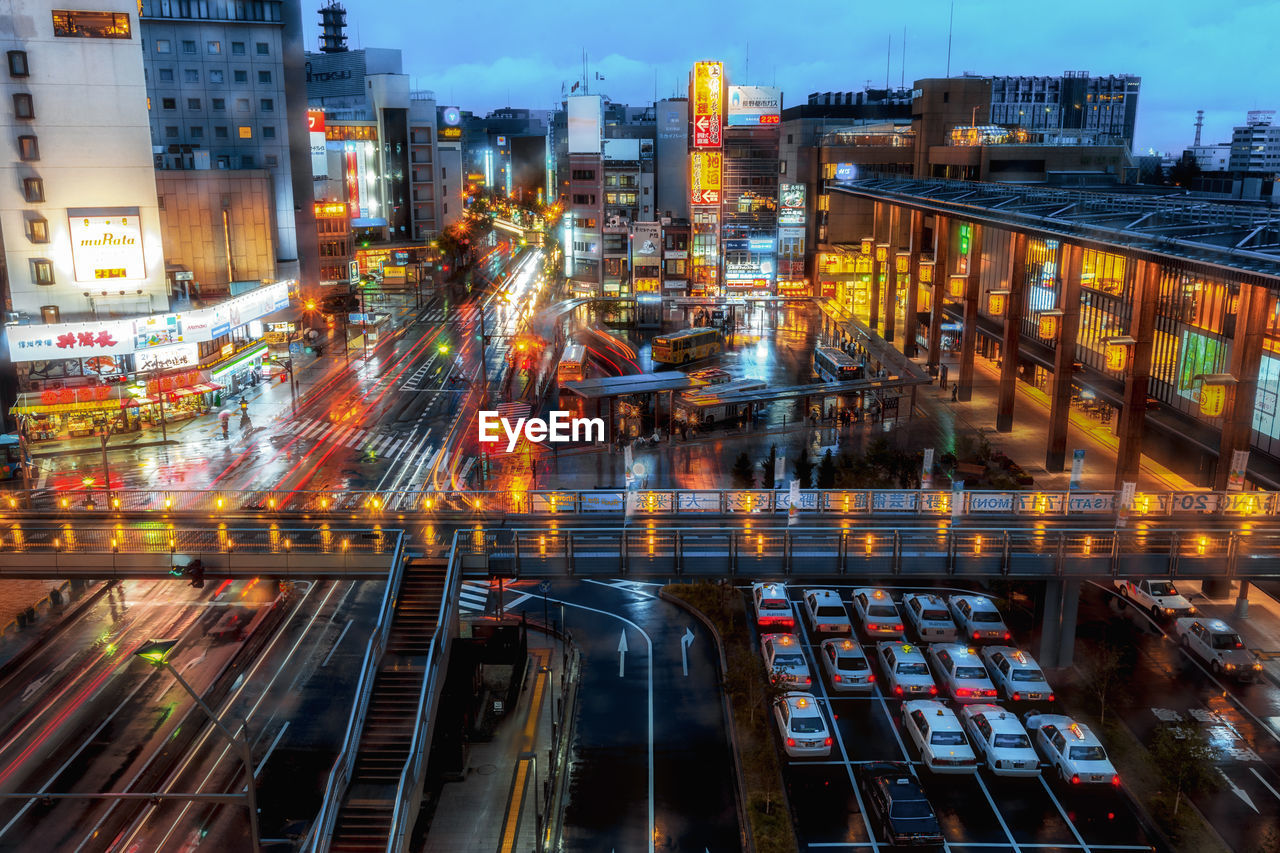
246,132
33,189
18,64
41,271
37,228
24,107
1103,271
92,25
28,148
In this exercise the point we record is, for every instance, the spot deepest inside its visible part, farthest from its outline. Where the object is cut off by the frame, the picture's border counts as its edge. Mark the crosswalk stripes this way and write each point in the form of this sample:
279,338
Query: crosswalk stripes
473,596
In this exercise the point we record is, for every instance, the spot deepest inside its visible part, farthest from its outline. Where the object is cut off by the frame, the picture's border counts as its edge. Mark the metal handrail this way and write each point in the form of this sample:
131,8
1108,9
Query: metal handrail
317,839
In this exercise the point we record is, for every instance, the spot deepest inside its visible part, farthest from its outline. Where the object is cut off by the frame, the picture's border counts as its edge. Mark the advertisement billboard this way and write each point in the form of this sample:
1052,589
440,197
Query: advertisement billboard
705,177
646,243
315,133
708,104
1200,354
165,358
70,340
790,204
584,124
754,105
846,171
106,243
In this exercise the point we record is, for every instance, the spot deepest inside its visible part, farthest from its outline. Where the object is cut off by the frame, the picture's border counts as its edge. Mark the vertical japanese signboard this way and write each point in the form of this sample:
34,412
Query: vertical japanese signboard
708,104
705,177
315,134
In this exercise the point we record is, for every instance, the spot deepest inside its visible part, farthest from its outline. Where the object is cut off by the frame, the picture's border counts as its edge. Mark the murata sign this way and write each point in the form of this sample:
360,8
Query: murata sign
106,244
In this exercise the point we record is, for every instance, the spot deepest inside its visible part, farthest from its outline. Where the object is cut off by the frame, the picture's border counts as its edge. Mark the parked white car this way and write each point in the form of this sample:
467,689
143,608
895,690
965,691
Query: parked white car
877,613
1072,749
846,666
978,619
1017,675
961,673
905,670
1160,598
773,607
1001,740
937,733
802,727
928,616
826,612
784,660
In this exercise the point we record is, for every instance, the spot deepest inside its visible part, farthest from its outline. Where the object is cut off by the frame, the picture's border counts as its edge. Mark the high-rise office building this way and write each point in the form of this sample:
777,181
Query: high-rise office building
1255,147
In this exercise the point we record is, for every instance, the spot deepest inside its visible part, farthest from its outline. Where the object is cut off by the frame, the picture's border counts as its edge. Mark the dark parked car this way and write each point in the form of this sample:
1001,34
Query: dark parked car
896,806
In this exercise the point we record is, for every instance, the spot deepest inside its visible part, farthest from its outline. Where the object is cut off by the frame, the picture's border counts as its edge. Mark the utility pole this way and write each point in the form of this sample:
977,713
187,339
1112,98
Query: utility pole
106,468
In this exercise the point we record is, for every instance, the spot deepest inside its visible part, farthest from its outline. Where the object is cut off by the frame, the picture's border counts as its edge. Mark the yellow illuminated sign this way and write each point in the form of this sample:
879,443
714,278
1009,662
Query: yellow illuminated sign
705,177
708,104
331,210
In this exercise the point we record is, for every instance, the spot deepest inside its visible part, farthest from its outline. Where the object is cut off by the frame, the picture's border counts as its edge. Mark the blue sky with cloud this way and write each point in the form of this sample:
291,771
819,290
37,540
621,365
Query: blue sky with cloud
483,55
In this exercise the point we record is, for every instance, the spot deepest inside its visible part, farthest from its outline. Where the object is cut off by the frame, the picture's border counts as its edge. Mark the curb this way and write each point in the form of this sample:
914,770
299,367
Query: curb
739,783
68,618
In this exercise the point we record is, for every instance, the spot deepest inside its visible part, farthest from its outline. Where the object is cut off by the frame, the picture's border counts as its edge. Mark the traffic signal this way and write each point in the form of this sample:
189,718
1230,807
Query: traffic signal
195,571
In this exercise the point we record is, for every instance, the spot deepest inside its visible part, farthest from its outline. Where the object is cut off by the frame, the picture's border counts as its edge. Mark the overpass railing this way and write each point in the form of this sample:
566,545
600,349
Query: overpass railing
344,764
871,552
655,502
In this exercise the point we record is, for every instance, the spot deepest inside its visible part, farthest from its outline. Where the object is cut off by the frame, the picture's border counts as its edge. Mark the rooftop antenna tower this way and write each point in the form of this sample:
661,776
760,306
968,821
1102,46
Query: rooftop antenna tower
333,26
1199,125
951,25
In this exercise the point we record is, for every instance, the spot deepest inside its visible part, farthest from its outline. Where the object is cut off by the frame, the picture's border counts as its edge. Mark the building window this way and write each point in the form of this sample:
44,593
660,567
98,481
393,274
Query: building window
188,46
263,49
220,132
272,161
28,148
213,46
18,64
197,133
217,76
246,132
37,229
164,46
218,103
90,25
166,75
42,271
23,106
33,189
224,162
242,105
246,161
191,75
264,76
241,76
168,103
171,132
193,103
266,105
268,132
237,48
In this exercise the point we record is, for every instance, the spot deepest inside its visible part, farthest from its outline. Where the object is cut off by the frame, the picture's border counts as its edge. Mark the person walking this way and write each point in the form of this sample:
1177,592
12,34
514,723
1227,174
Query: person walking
955,393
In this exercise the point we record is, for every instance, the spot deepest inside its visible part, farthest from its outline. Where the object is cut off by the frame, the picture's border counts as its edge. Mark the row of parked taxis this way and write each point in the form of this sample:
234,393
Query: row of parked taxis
950,660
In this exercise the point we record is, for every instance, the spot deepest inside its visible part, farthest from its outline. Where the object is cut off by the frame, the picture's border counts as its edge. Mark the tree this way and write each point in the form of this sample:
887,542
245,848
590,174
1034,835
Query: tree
743,474
803,467
1184,172
827,471
1102,675
767,466
1182,752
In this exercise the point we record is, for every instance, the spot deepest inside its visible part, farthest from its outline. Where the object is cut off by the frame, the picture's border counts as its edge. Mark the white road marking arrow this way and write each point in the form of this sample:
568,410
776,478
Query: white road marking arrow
685,642
622,654
1238,791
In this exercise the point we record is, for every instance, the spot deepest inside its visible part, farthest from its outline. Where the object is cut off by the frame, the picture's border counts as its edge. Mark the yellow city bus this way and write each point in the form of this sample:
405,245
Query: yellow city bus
573,364
687,345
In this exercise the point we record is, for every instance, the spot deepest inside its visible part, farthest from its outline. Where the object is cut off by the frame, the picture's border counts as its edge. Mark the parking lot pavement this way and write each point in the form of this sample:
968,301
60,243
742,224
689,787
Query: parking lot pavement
979,813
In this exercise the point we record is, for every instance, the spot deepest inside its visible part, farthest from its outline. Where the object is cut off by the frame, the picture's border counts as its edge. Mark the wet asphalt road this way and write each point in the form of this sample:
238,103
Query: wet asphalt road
616,782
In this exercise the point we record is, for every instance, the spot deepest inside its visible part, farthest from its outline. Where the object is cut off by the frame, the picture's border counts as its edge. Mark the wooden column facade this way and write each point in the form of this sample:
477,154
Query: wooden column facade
941,273
877,236
1252,309
1064,357
909,347
969,335
891,273
1137,380
1012,331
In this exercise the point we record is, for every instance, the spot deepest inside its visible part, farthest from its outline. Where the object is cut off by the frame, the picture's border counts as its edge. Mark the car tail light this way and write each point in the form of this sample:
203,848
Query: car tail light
898,627
1052,697
807,681
871,679
898,689
1008,636
1115,780
827,742
933,691
1016,697
1075,778
986,692
977,635
837,679
791,741
963,691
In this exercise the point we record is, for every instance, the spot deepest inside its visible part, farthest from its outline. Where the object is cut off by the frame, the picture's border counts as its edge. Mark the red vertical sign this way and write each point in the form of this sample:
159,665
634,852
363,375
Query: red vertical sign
708,104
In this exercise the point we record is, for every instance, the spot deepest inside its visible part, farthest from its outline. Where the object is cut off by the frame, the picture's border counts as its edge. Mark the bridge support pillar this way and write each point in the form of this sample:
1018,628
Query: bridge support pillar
941,274
1064,358
916,235
969,334
1242,601
1012,332
1254,307
877,267
1058,623
1133,412
891,274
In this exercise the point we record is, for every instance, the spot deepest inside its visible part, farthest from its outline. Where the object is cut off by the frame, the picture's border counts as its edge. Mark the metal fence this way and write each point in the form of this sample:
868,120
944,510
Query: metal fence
657,502
870,552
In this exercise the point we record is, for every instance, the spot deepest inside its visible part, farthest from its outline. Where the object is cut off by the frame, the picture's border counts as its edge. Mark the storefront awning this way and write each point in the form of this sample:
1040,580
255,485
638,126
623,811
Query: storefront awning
140,401
28,408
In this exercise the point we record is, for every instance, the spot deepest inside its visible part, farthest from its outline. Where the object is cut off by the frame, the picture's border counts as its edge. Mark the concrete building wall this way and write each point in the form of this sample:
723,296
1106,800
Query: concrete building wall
196,236
672,158
94,152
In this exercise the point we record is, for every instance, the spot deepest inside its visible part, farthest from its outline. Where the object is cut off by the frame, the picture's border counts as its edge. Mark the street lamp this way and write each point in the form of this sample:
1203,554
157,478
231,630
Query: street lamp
156,653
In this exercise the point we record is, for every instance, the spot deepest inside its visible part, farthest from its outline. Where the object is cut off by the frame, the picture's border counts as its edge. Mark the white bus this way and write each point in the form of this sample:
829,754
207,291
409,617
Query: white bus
704,406
835,365
573,364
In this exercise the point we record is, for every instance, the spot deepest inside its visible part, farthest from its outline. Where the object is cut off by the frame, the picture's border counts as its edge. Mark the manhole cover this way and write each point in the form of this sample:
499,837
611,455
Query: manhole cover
486,769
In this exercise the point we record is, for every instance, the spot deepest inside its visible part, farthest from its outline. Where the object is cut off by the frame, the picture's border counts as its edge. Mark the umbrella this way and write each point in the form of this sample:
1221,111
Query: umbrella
226,416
